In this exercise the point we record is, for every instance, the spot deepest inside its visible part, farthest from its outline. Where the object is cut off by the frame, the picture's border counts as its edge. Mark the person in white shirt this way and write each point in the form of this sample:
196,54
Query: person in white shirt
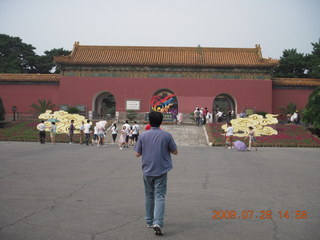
81,128
86,131
95,134
42,132
114,132
135,132
127,133
219,116
229,135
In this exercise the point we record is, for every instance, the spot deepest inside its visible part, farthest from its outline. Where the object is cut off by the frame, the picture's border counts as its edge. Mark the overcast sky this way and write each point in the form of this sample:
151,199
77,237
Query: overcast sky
274,24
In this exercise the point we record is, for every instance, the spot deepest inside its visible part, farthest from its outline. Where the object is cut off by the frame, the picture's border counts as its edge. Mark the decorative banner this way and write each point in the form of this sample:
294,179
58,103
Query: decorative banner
165,102
63,120
259,124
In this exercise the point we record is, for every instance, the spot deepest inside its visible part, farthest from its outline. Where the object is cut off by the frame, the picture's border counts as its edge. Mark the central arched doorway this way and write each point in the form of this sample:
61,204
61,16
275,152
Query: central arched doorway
226,104
164,101
104,105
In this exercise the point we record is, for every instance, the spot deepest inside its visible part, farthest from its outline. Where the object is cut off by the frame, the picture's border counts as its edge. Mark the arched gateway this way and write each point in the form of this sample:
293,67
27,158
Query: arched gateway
104,105
164,101
225,103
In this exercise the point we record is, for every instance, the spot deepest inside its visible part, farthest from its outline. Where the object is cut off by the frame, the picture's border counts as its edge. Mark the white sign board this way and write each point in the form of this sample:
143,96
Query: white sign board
133,105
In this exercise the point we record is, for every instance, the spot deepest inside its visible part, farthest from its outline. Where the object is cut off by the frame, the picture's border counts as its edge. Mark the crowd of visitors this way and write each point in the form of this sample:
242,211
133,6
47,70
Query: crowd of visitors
95,135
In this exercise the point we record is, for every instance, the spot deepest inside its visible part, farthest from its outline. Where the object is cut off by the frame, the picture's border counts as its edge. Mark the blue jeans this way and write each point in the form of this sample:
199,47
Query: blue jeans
155,190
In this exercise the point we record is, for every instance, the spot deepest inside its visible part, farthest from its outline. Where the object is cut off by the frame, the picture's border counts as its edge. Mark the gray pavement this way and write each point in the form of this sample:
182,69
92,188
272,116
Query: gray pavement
83,192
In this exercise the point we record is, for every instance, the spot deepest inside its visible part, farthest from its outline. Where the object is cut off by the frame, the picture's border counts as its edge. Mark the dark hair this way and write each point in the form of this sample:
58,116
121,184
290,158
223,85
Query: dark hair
72,121
115,125
135,122
88,121
53,123
155,119
250,127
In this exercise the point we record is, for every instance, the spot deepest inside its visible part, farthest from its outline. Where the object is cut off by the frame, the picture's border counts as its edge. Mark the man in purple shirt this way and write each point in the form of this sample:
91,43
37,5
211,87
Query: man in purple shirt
155,146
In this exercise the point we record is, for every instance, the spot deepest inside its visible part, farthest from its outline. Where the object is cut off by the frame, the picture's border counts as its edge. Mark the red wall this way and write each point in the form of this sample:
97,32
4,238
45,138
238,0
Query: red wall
191,93
282,97
23,96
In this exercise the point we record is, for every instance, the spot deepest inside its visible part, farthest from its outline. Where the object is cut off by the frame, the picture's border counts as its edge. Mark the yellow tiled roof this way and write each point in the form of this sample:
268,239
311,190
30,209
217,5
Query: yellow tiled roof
166,56
12,77
303,82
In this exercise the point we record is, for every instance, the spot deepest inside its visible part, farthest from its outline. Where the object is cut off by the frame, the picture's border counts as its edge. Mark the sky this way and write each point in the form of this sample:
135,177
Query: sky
274,24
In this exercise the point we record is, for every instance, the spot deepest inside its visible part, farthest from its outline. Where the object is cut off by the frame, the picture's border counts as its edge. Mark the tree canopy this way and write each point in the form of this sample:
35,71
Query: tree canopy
298,65
311,113
19,57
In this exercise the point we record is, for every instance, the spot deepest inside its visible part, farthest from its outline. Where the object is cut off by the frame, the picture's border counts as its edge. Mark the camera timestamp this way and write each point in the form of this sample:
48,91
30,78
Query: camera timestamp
260,214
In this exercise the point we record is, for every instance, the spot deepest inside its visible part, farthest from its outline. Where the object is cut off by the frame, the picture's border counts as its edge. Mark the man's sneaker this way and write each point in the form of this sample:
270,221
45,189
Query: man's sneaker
149,226
157,230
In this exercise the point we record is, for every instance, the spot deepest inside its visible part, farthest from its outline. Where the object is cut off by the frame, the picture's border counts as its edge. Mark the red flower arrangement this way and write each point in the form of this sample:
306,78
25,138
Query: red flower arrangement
289,135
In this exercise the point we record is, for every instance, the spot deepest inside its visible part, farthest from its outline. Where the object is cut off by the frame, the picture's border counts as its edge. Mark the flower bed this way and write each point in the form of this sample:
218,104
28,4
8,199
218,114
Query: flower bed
26,131
289,135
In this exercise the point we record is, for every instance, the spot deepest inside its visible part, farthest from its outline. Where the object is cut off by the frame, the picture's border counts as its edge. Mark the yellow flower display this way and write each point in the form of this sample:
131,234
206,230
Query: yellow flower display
258,122
63,120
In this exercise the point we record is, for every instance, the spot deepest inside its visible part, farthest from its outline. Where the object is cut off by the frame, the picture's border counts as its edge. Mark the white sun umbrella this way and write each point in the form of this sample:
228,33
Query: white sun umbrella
101,123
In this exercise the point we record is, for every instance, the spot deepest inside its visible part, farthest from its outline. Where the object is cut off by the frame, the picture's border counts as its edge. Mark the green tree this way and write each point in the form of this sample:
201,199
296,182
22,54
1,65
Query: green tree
292,65
2,110
131,114
311,113
16,56
313,61
19,57
43,105
45,62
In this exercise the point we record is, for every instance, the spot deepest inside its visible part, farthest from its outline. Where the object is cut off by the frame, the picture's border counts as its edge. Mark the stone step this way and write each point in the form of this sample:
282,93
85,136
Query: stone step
184,135
187,135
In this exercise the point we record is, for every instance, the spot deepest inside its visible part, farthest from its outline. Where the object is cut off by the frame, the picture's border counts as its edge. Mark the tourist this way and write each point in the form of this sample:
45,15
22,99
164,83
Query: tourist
135,132
81,128
179,118
252,139
205,112
101,134
42,132
295,118
114,132
126,124
229,135
209,117
148,127
155,147
130,137
86,131
122,138
95,138
219,116
71,131
229,114
197,116
53,131
243,114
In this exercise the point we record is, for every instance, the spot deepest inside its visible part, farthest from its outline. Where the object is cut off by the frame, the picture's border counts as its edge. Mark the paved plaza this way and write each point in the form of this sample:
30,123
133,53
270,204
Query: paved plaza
78,192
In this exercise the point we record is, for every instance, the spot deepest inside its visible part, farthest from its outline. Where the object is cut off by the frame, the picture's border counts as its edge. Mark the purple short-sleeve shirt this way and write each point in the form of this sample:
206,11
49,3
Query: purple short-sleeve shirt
155,146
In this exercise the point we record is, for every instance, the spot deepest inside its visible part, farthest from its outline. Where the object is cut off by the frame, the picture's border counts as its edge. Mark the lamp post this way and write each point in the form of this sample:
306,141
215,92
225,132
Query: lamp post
14,109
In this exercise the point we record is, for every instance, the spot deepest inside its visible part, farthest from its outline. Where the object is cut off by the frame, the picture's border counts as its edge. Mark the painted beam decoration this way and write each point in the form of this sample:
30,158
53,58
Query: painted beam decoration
62,120
258,122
